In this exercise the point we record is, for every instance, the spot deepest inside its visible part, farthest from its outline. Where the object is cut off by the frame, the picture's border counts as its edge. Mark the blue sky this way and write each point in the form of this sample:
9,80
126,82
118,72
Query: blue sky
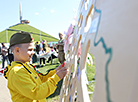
50,16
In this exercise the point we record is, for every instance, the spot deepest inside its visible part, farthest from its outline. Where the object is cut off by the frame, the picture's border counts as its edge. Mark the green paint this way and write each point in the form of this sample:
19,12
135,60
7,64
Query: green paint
107,51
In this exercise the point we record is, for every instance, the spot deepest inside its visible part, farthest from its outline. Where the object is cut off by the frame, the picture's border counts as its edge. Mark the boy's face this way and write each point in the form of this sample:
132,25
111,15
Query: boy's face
26,52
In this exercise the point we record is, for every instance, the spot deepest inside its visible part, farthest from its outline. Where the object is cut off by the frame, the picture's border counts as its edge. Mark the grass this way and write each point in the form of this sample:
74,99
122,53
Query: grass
90,69
27,28
90,75
48,67
54,99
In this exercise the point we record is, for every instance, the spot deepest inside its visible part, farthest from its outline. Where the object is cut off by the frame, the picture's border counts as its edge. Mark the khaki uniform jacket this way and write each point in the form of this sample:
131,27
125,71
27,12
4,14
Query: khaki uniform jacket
26,85
61,45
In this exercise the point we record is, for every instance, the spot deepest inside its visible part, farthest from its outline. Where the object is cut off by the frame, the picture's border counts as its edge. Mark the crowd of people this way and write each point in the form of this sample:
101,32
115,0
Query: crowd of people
42,52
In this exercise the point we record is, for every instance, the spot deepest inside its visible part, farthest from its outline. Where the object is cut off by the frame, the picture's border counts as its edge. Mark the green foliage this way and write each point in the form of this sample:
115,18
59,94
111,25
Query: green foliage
27,28
90,69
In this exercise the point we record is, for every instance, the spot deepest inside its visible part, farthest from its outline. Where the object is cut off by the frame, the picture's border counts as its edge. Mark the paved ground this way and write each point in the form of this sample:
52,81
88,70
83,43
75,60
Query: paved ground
4,92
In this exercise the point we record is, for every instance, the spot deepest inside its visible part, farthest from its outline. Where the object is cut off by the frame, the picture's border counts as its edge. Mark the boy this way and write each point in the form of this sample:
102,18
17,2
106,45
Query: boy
24,83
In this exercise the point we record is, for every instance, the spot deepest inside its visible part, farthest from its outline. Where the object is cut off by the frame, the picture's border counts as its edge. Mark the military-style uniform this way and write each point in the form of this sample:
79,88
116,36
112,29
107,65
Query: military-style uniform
24,82
61,54
27,85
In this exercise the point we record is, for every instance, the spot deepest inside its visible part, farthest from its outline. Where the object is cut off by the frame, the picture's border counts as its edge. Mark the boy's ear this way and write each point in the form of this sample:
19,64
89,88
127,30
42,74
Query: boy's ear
17,50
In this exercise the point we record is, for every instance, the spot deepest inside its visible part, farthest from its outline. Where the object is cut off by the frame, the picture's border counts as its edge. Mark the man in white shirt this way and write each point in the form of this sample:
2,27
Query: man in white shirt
53,54
41,53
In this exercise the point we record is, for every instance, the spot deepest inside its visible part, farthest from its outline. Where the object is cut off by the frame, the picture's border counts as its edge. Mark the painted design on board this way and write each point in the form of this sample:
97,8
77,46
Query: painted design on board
107,51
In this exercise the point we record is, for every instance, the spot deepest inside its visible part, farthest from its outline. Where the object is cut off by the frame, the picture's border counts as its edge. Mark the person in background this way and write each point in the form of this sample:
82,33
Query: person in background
60,47
55,47
41,44
4,55
44,45
34,57
37,46
10,55
41,53
53,54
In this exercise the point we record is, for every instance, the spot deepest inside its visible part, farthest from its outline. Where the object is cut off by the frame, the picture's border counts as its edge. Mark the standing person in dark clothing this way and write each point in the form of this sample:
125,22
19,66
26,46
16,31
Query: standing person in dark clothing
44,45
10,55
37,47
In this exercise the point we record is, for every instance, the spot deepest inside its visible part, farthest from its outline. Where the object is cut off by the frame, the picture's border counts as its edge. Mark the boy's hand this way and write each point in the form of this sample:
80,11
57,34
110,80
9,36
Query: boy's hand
62,72
59,67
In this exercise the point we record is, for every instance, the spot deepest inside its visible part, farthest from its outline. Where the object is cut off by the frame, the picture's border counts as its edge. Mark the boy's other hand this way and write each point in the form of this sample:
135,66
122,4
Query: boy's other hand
62,72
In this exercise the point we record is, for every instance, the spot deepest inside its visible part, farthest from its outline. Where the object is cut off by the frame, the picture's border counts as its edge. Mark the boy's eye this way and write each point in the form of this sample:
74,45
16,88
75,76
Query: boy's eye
30,49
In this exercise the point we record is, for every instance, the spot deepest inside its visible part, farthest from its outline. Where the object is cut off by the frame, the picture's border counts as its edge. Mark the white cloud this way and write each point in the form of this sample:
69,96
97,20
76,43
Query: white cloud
44,8
52,11
36,13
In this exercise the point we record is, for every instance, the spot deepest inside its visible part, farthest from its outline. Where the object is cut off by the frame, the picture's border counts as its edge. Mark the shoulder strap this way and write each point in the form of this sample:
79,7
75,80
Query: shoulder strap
6,70
24,67
39,71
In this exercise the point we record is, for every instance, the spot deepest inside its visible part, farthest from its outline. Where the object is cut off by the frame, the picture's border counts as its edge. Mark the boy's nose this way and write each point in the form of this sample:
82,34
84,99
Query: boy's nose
33,52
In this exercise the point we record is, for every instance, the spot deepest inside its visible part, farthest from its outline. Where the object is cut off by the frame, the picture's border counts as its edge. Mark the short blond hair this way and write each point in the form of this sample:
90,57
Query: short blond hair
14,46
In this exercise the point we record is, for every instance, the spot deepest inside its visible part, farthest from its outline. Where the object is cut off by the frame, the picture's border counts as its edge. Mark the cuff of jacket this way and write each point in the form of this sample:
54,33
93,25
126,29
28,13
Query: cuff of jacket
56,78
52,72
